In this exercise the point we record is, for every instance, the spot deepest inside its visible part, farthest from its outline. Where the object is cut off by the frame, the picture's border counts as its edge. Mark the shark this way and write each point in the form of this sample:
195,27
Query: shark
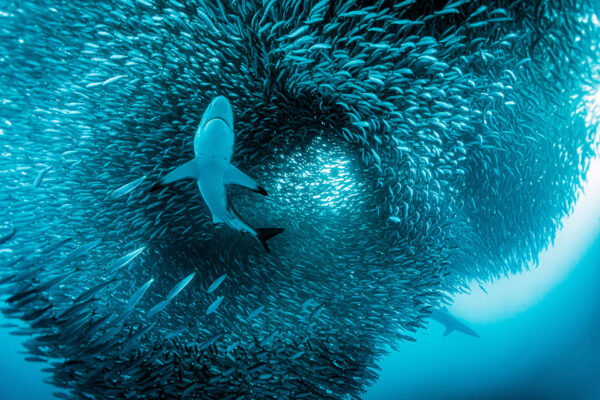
451,323
212,169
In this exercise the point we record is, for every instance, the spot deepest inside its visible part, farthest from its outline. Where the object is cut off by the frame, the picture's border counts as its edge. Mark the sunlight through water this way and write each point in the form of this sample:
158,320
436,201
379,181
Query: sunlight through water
510,295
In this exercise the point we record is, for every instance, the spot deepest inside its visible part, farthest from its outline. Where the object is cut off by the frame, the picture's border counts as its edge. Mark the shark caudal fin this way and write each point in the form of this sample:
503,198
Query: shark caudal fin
189,170
264,234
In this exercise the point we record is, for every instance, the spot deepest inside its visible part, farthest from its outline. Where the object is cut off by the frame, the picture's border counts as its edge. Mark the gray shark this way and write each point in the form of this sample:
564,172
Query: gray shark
451,323
212,169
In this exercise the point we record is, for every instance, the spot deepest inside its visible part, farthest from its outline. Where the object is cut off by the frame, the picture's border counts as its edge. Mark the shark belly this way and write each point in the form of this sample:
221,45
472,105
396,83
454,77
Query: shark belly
214,192
212,189
213,146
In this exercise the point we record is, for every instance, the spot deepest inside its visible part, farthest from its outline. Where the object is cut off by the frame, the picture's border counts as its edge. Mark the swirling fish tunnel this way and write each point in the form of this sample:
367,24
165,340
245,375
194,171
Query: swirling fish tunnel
407,147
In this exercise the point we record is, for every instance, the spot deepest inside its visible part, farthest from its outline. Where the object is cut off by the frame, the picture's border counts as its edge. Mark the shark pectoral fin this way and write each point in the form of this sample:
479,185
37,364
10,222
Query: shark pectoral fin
448,331
233,176
189,170
264,234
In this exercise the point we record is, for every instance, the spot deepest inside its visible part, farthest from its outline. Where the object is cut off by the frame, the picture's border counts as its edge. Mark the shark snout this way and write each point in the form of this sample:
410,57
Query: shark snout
219,108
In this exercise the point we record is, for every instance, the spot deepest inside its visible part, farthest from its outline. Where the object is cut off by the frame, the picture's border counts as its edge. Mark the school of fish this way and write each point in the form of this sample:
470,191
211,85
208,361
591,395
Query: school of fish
408,147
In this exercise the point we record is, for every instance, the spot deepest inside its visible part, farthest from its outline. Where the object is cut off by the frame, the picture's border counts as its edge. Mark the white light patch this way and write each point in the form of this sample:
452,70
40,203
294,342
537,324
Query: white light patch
326,175
334,181
508,296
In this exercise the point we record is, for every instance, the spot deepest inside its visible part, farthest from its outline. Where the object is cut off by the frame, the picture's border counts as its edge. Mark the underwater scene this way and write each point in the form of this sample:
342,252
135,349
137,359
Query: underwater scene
300,199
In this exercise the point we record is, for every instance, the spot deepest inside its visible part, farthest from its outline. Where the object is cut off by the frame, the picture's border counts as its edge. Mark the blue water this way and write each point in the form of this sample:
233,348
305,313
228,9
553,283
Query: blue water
540,333
19,380
549,351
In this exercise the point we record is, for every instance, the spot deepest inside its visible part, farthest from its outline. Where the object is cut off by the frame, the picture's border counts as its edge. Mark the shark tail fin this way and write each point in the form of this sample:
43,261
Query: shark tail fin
264,234
448,331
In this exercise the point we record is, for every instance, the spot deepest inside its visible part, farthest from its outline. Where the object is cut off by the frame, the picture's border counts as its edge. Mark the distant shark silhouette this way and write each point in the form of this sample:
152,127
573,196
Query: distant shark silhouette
212,168
451,323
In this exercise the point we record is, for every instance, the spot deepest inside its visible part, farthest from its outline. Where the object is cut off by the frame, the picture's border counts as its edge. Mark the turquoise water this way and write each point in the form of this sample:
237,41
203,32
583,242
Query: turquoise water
550,350
404,149
540,336
540,330
19,379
